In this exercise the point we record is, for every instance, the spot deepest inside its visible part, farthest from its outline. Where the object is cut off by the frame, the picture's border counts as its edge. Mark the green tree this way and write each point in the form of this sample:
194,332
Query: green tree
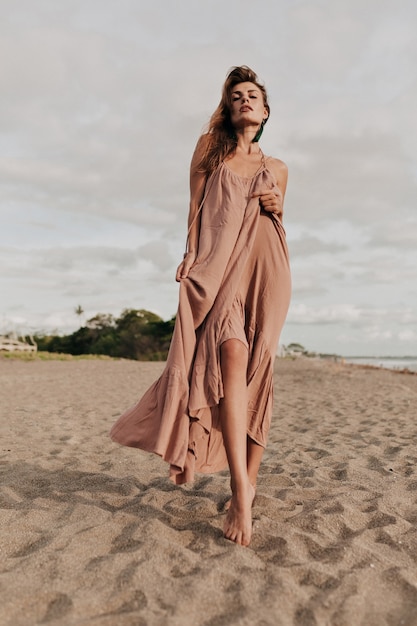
134,328
137,334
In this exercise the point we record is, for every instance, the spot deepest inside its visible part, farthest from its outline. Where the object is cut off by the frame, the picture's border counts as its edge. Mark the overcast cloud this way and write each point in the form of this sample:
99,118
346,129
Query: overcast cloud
102,103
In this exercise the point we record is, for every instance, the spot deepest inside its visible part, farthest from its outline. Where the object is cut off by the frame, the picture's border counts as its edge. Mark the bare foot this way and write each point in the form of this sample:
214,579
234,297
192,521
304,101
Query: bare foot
238,523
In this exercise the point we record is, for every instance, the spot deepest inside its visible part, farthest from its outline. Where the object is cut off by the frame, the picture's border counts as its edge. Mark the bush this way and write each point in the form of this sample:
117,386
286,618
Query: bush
136,334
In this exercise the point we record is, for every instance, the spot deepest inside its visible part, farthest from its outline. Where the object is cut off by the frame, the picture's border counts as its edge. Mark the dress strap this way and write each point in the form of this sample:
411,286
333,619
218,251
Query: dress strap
262,166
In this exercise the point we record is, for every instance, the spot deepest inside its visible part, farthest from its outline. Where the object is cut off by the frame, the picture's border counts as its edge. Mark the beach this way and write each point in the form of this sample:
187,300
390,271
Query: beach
95,534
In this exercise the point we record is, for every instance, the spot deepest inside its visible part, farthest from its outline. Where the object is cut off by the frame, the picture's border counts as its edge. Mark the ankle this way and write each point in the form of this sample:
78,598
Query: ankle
240,482
243,490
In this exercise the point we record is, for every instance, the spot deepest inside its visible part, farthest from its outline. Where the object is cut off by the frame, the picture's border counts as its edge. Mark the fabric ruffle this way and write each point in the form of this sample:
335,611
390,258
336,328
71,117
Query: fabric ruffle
178,416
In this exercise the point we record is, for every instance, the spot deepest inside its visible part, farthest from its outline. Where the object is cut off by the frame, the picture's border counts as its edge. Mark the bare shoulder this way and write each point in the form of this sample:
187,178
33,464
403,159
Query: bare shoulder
202,144
203,140
200,150
279,170
277,167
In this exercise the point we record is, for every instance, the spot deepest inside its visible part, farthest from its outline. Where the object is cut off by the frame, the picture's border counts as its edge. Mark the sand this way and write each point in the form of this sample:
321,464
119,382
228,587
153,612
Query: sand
93,533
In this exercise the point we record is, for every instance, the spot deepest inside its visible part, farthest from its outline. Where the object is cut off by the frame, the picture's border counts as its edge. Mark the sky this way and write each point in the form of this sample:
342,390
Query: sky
102,102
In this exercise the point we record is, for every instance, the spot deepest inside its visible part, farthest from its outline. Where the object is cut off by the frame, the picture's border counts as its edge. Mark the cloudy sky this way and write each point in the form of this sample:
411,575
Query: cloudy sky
102,102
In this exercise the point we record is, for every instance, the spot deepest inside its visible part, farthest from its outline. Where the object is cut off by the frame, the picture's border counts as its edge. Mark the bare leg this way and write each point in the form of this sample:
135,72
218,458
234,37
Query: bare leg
254,458
255,454
233,416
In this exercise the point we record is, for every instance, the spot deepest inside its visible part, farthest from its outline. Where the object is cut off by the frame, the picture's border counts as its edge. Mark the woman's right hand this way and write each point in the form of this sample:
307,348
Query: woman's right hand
185,266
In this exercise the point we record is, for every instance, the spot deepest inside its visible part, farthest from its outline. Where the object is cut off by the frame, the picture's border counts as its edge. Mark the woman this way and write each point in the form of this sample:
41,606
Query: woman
212,405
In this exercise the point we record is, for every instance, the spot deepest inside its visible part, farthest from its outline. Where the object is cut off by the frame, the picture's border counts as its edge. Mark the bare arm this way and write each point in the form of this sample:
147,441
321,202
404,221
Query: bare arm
197,185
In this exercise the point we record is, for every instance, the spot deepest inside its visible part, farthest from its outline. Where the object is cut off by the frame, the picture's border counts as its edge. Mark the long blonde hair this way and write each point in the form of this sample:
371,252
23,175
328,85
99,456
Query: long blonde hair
221,138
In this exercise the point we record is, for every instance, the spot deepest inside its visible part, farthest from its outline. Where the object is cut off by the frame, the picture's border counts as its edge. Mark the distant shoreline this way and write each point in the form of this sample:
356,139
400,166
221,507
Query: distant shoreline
386,362
396,364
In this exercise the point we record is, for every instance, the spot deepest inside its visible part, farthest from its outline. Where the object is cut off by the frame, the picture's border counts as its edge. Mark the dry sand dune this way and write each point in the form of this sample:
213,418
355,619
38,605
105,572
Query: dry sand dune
95,534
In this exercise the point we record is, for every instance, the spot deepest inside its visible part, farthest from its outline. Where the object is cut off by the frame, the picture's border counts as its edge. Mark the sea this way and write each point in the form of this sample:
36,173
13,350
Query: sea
388,362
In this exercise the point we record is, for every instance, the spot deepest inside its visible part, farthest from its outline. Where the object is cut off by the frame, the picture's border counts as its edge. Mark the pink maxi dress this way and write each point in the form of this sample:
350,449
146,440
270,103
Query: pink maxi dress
239,287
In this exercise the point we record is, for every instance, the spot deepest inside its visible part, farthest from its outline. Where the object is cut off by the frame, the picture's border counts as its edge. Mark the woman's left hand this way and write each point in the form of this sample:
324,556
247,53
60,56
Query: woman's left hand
270,201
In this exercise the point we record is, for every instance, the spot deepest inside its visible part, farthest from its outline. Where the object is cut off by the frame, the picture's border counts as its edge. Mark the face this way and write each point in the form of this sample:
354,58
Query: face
247,105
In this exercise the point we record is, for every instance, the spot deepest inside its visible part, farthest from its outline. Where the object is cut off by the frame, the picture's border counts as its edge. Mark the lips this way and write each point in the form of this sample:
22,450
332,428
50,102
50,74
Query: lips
245,108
